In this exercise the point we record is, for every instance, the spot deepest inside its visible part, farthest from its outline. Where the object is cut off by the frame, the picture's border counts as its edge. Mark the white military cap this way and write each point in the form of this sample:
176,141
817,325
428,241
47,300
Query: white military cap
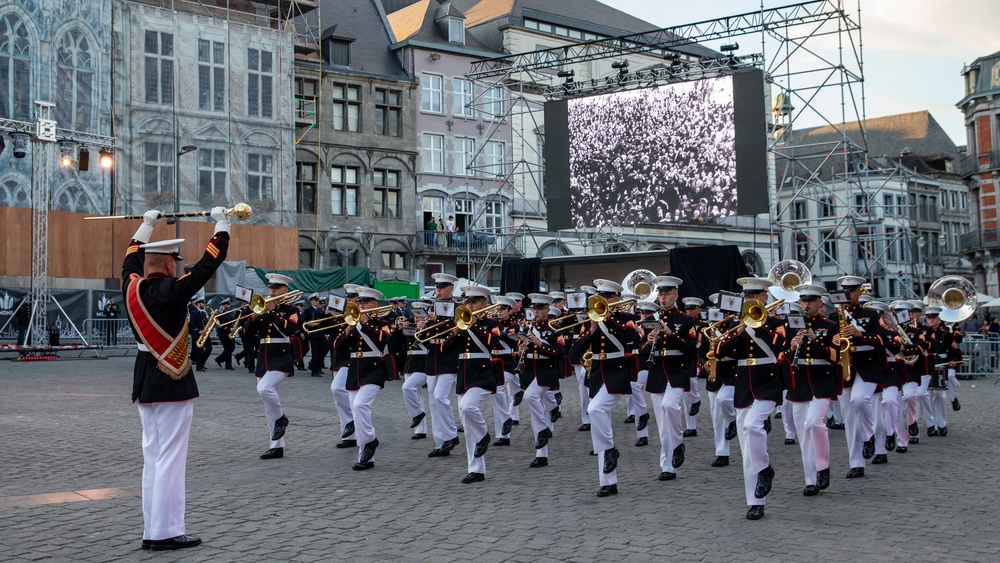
351,289
515,295
198,299
664,283
540,299
428,297
476,291
714,298
444,278
313,296
277,280
649,306
916,305
627,295
901,304
850,281
795,308
880,306
419,305
555,312
557,295
810,290
754,284
865,298
224,301
369,293
505,301
607,286
591,290
826,300
170,246
932,311
692,302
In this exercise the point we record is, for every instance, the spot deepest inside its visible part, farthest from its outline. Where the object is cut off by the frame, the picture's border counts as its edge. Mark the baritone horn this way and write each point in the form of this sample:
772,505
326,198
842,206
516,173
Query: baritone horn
785,276
640,282
955,295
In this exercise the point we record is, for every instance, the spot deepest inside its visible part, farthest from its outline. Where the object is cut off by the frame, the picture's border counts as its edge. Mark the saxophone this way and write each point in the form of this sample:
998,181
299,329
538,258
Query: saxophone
845,345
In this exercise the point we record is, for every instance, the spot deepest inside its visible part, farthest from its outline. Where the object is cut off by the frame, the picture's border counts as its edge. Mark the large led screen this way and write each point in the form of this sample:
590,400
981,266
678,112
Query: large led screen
682,152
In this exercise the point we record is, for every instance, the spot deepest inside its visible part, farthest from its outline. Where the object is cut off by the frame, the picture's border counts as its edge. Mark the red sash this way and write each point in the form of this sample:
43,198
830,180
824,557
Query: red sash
171,352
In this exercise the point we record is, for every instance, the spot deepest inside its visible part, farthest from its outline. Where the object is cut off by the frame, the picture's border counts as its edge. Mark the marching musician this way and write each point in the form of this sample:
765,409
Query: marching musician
816,381
250,341
692,399
610,379
275,326
517,315
720,395
581,367
398,342
886,397
476,378
542,355
911,373
338,388
784,410
441,369
944,358
162,381
923,391
198,323
317,340
504,351
635,404
757,392
226,313
414,374
367,371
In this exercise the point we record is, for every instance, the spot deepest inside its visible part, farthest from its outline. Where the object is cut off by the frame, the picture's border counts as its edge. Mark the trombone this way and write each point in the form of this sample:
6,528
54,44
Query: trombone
258,304
598,310
351,317
464,319
754,314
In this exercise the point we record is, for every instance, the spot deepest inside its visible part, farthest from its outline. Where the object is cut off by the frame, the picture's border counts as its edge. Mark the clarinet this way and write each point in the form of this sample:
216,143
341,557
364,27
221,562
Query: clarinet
520,357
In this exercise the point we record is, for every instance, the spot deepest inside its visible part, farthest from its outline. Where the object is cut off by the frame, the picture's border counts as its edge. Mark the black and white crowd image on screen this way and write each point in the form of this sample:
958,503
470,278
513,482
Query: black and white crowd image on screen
653,155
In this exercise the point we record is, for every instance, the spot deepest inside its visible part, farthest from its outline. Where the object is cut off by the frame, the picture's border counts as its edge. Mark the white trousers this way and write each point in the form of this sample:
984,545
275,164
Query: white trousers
924,394
341,399
638,387
600,431
669,426
939,408
854,456
863,408
691,397
413,397
787,416
537,399
501,407
475,425
513,385
886,410
443,418
814,440
166,428
953,384
907,414
361,406
723,413
581,382
753,444
266,388
835,412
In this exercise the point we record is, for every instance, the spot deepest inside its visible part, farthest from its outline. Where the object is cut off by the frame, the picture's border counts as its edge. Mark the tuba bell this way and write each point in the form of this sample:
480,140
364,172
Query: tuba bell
955,295
640,282
785,276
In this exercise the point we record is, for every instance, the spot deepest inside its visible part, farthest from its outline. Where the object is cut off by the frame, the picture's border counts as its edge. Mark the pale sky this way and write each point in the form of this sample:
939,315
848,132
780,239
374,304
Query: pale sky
913,50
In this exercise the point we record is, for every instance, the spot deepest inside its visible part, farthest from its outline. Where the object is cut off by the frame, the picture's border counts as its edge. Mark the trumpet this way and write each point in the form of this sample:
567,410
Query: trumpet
240,211
754,314
466,317
598,309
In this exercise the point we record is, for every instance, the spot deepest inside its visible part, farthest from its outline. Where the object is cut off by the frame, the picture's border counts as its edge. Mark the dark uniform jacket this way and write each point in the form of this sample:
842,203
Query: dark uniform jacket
815,372
542,363
868,349
943,349
166,300
366,367
758,376
725,367
608,364
416,356
673,357
438,361
913,373
223,332
506,347
475,356
276,329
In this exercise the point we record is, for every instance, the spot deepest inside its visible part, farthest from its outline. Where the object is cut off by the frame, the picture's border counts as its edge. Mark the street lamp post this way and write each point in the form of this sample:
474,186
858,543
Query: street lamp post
177,185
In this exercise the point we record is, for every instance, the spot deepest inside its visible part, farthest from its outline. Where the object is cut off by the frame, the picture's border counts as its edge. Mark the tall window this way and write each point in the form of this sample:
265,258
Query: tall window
799,211
827,207
494,108
494,157
456,31
260,83
15,69
346,107
889,202
344,190
75,69
337,52
891,245
305,187
305,100
158,167
388,112
212,171
211,75
465,148
801,247
432,155
493,217
462,104
430,93
393,260
260,176
829,247
159,48
386,193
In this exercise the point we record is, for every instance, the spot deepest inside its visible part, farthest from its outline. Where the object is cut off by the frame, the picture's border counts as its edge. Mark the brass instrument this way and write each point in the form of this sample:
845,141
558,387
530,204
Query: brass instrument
588,362
258,305
890,319
640,282
317,325
713,334
754,314
845,344
240,211
206,332
598,310
466,317
955,295
785,277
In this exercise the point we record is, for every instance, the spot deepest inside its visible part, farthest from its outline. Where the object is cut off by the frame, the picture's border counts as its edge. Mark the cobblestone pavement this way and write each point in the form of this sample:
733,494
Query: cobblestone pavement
72,465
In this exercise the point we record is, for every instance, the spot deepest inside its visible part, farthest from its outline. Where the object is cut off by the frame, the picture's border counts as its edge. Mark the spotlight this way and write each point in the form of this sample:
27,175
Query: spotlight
620,66
672,56
107,158
567,74
68,150
21,141
729,47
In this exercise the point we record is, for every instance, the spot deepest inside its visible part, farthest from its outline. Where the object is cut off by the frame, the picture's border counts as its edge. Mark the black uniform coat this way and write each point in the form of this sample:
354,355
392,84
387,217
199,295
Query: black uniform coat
610,373
758,382
819,381
478,371
725,367
943,349
541,363
506,349
282,323
438,361
416,356
913,373
369,369
868,364
677,370
166,299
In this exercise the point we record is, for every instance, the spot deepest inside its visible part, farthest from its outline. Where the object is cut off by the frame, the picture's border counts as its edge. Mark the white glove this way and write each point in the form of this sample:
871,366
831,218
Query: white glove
222,222
149,220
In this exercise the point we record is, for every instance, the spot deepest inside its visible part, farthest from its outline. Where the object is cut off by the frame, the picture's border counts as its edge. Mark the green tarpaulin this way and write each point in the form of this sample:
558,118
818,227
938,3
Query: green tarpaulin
398,289
320,280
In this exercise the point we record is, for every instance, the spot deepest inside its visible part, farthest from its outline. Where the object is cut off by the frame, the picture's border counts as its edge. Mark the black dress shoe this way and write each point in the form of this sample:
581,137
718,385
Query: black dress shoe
829,422
955,405
348,430
767,426
416,420
145,544
901,449
300,365
695,407
592,452
502,442
584,427
507,425
543,438
643,422
777,415
555,415
610,460
642,442
868,450
558,397
482,446
721,461
914,439
280,426
179,542
199,368
368,452
943,431
837,426
346,444
273,453
539,462
823,478
756,512
238,358
450,444
914,429
880,459
517,423
932,431
690,433
890,442
473,478
418,436
461,428
518,397
731,430
630,419
218,362
438,452
677,459
789,441
362,465
666,476
810,490
856,472
764,479
608,490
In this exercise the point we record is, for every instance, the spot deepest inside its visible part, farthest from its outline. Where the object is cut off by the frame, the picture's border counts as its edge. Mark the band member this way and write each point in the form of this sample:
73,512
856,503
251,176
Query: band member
581,367
517,315
198,323
787,415
250,341
341,359
816,381
226,313
757,392
720,393
504,351
913,366
275,327
476,379
944,358
441,369
317,340
414,374
635,404
367,372
162,380
886,397
923,403
541,355
398,345
610,380
692,399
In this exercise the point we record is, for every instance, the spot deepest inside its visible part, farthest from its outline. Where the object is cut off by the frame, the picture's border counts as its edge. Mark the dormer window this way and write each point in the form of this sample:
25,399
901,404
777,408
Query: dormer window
456,30
337,51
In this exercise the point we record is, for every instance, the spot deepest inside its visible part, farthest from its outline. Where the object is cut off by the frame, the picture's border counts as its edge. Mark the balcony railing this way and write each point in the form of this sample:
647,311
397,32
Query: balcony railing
979,239
971,164
438,242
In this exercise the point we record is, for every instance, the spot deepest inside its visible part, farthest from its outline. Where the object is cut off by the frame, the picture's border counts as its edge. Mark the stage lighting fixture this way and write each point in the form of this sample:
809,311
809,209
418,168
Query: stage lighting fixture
68,151
567,74
107,158
672,56
21,141
620,65
729,47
